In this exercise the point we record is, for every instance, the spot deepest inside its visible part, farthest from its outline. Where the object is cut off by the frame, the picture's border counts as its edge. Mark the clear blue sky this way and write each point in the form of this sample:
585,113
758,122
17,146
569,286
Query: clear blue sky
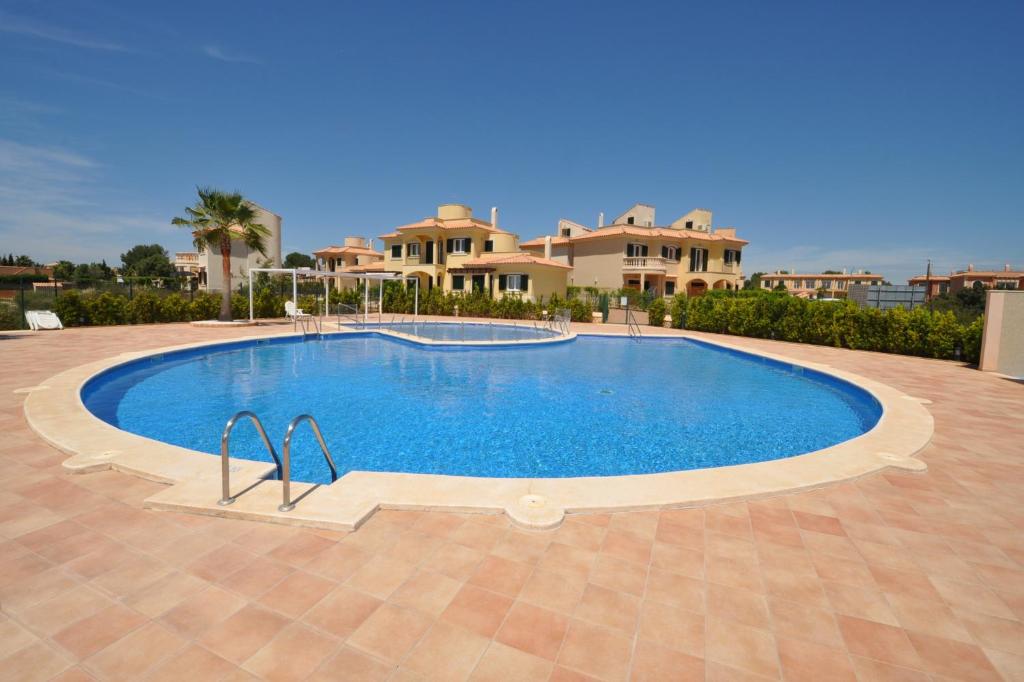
832,134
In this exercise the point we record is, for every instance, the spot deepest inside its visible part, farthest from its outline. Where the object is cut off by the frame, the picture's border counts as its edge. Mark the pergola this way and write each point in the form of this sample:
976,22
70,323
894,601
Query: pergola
327,274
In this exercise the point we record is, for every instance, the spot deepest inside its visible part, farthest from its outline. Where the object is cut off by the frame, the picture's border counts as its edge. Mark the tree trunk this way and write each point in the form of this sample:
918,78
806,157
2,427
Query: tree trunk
225,294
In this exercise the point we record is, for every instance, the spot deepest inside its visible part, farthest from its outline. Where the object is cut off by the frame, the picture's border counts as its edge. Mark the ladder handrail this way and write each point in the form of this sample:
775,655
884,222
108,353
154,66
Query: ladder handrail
286,470
632,326
225,469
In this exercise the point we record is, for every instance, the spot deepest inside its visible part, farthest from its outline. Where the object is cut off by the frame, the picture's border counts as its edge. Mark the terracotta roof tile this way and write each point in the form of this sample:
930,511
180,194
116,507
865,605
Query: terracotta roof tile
514,259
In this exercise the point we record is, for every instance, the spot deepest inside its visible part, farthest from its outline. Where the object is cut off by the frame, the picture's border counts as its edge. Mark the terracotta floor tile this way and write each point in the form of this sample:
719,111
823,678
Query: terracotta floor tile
869,670
929,617
338,562
35,662
673,627
1010,666
861,603
202,610
818,523
972,597
133,655
446,652
583,535
300,549
593,650
522,546
843,571
501,575
381,576
242,634
502,663
390,632
536,631
990,632
191,663
737,604
166,593
804,661
478,610
572,561
881,642
642,523
619,575
800,621
783,584
13,637
601,606
654,663
678,559
955,660
87,636
744,575
53,615
222,561
676,590
454,561
556,591
428,592
342,611
297,593
256,578
414,547
350,665
293,655
907,583
743,647
478,536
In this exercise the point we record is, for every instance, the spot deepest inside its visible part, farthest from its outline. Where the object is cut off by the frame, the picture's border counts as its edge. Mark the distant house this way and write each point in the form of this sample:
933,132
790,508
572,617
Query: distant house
356,256
686,255
1007,278
818,285
460,253
205,265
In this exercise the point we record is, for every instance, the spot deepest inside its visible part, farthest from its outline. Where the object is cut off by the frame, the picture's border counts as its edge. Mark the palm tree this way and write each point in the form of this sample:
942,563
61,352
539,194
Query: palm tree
216,219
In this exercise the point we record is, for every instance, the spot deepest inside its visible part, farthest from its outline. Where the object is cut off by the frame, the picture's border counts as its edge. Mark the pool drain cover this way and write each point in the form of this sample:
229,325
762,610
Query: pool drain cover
606,391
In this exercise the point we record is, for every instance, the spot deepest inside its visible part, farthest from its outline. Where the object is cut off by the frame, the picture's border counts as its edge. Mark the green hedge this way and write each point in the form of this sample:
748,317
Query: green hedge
842,324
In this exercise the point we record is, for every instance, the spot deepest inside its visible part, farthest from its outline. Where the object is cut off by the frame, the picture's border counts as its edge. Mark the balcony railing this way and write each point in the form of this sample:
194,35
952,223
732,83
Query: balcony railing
647,263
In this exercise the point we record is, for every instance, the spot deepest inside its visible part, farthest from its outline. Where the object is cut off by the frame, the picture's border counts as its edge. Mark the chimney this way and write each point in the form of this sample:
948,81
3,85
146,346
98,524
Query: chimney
494,216
600,219
1006,267
547,247
970,267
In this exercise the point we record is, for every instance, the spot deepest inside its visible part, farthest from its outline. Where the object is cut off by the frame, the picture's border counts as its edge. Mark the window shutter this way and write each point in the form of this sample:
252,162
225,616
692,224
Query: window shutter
524,285
502,282
664,252
450,245
693,259
629,249
643,250
704,264
489,245
737,252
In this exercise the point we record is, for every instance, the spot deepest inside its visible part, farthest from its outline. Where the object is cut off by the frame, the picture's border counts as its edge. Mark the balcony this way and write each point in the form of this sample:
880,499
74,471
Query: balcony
647,264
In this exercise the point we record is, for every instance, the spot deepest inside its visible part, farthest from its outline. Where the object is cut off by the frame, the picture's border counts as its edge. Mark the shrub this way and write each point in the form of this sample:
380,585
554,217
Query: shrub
144,308
107,309
9,317
972,340
71,309
656,313
678,311
240,306
265,303
174,308
205,306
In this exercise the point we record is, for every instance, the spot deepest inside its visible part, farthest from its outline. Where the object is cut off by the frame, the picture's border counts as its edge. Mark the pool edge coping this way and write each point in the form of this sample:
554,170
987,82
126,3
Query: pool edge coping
55,412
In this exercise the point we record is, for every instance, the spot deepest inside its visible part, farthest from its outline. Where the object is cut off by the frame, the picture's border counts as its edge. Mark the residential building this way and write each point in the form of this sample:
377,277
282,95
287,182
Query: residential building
354,257
206,265
635,252
1007,278
820,285
886,296
457,252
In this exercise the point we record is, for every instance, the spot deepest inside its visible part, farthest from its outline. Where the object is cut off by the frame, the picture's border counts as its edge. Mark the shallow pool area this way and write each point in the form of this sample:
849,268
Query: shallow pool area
465,332
594,406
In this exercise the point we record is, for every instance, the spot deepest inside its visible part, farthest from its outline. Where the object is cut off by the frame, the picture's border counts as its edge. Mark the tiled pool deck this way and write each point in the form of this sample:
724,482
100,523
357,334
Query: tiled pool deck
897,576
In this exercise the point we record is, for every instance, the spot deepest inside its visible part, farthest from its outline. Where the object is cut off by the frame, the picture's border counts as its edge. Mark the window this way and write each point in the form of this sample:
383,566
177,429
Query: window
412,249
809,284
636,250
489,245
732,256
513,282
670,252
458,282
698,260
629,220
689,224
458,245
566,231
826,283
670,288
396,251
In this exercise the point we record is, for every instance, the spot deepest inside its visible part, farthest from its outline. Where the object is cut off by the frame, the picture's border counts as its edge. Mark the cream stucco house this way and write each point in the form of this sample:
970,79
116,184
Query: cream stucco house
687,255
355,257
457,252
206,266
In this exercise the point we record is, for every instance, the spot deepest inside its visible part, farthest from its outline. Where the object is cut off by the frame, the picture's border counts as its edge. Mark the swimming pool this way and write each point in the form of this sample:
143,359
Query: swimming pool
594,406
465,331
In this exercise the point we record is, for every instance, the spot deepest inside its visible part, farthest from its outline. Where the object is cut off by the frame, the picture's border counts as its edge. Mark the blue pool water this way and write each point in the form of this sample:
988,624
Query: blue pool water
469,331
589,407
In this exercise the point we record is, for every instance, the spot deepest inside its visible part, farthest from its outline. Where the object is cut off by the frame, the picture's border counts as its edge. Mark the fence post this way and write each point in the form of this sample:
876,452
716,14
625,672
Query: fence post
21,294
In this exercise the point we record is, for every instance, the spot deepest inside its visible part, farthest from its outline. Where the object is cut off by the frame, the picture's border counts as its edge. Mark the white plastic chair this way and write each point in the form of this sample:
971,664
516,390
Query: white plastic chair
294,313
42,319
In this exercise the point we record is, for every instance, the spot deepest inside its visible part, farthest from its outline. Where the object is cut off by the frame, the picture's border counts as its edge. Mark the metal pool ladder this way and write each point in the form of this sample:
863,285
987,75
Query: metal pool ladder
632,327
284,465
